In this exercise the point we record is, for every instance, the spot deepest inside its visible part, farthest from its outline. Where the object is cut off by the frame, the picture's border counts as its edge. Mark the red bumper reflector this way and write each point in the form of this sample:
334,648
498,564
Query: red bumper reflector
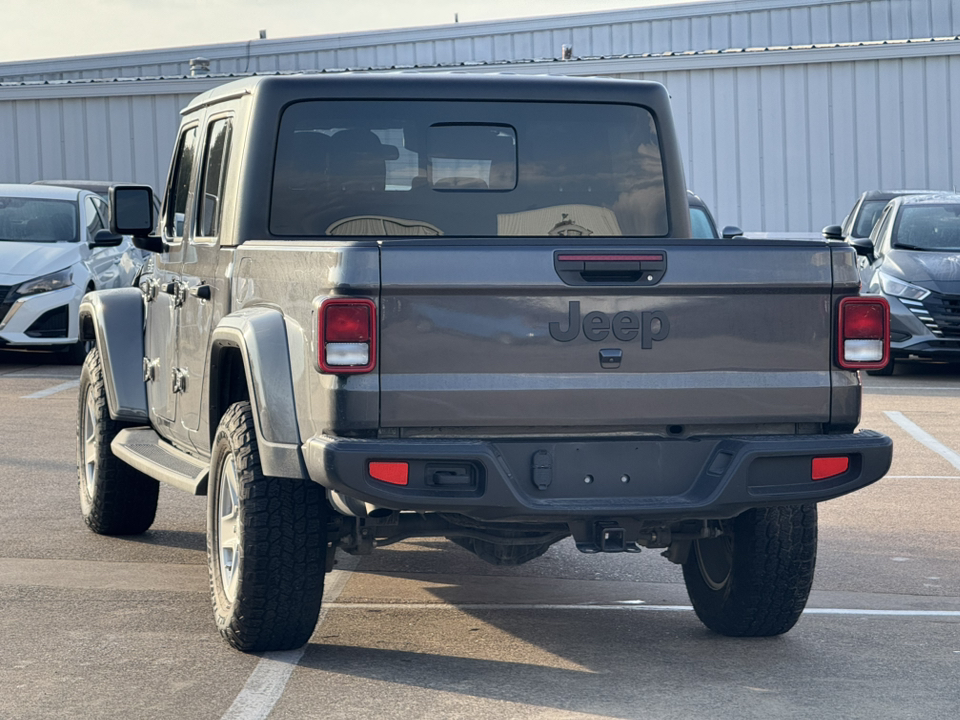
824,468
394,473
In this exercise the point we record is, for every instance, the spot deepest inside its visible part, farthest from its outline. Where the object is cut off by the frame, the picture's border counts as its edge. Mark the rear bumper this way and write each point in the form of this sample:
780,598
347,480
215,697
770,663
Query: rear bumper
546,480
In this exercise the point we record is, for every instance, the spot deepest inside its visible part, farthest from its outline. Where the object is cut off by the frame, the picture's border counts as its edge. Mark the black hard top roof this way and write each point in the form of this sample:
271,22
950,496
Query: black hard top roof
440,86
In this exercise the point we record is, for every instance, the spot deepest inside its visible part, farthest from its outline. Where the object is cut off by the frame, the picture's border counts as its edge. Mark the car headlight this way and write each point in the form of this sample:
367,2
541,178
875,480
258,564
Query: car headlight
901,289
53,281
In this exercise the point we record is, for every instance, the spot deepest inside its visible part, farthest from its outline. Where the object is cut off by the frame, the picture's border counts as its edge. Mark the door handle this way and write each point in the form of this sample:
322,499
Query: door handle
203,292
618,268
149,289
176,289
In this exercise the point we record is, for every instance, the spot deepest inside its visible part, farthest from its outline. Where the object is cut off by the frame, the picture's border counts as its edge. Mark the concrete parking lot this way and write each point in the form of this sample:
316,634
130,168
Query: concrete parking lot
100,627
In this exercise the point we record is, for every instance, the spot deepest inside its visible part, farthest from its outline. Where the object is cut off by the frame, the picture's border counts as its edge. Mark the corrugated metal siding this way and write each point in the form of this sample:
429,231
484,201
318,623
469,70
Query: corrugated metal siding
695,26
120,138
790,147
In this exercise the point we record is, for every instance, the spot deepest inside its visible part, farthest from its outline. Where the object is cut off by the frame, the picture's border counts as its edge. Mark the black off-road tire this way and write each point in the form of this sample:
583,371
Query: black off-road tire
754,580
267,589
115,499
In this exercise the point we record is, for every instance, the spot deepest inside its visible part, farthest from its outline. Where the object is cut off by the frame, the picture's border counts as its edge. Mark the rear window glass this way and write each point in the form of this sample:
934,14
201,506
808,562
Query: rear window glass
467,168
33,220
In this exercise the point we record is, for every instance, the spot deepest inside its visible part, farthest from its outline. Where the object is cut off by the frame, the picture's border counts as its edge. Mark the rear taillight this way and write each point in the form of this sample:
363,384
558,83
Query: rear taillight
347,335
864,333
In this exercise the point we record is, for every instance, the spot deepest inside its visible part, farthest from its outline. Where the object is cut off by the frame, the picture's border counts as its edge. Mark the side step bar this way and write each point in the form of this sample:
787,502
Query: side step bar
143,449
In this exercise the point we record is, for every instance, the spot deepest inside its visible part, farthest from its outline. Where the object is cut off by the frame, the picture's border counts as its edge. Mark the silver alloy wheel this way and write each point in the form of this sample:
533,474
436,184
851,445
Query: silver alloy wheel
228,528
715,559
89,434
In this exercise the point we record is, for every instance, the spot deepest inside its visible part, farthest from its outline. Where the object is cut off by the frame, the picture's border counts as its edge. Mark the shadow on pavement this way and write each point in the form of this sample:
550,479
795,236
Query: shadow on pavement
183,539
610,663
33,357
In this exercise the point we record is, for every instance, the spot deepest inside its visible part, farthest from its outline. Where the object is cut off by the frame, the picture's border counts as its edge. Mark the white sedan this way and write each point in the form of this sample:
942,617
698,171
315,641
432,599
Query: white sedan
51,255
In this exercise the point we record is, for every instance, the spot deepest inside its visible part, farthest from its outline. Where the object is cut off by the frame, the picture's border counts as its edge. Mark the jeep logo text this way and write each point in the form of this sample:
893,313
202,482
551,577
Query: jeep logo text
651,326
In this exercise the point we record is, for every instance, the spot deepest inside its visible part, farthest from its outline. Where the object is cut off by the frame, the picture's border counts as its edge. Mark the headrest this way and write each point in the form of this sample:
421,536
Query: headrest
364,141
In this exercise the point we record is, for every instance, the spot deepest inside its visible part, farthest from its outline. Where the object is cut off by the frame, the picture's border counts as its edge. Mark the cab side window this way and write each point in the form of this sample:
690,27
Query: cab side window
179,186
215,157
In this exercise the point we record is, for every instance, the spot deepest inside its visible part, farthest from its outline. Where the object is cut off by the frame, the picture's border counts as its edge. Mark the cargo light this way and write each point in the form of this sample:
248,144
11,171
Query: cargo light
828,467
347,335
394,473
864,333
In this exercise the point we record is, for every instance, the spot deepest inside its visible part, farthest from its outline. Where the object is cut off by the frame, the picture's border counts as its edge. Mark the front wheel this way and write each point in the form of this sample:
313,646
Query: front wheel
754,580
115,499
266,544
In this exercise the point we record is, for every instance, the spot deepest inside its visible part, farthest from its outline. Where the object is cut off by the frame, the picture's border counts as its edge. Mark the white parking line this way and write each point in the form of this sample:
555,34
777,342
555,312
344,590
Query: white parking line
942,388
53,390
628,605
924,438
266,684
41,371
923,477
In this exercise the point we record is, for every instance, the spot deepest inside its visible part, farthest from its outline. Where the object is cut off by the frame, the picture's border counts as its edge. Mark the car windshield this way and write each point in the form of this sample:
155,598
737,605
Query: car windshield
929,227
702,227
467,169
869,214
37,220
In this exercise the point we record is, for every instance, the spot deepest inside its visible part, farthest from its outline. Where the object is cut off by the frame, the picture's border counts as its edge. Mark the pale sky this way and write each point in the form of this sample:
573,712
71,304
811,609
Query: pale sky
34,29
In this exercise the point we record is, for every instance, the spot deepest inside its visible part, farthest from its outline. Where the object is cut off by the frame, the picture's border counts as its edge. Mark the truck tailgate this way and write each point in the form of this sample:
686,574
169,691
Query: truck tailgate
492,336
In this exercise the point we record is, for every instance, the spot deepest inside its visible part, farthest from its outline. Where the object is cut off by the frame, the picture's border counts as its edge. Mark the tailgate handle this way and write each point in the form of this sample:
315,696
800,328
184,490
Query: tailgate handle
615,268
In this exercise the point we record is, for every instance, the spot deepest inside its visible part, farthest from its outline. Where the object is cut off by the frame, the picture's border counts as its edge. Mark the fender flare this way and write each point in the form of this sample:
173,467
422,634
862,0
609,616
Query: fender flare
114,319
260,334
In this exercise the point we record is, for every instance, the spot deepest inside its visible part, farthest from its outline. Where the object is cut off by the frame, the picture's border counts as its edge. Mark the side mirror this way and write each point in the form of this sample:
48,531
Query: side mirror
731,231
131,210
833,232
105,238
863,246
149,243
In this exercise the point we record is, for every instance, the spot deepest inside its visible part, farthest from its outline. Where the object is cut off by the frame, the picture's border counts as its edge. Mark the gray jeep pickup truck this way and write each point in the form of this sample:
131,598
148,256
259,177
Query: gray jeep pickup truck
386,306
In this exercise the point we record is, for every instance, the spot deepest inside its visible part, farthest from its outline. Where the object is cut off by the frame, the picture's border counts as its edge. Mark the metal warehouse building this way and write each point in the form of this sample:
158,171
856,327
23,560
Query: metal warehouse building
786,110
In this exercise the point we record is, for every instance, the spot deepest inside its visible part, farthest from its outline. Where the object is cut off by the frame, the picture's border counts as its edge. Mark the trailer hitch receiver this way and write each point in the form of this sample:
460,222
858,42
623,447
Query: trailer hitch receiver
606,537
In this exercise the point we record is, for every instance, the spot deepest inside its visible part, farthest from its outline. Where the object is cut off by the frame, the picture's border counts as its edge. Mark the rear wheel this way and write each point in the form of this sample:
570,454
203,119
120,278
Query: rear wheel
266,544
115,499
754,580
